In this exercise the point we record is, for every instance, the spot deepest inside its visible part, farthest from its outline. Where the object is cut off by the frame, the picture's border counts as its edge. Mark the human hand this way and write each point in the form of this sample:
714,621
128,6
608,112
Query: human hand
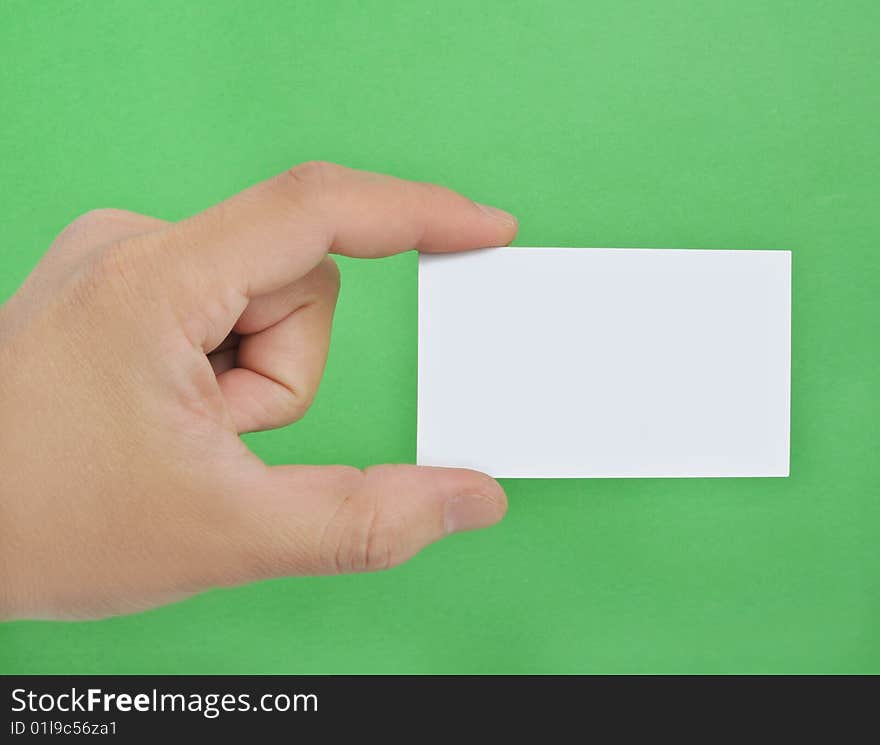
138,350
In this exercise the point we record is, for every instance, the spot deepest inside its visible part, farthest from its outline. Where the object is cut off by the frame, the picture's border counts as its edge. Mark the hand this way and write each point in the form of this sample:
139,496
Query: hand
138,350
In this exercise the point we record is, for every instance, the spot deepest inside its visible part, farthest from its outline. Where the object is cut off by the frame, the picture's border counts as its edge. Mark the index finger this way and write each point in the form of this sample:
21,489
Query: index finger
278,230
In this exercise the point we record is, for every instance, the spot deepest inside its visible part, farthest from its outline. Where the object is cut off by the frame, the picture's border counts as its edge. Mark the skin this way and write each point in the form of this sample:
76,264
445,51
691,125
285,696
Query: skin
137,351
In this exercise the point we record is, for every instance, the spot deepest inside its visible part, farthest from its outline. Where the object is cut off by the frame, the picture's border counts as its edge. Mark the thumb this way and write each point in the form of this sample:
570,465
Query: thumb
338,519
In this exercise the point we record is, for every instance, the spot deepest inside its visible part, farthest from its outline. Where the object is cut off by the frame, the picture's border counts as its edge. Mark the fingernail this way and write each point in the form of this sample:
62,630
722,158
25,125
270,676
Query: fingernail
471,512
498,214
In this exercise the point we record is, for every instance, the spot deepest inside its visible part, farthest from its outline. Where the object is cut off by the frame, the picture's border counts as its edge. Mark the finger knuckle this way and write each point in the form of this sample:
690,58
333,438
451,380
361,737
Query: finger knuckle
92,223
291,405
313,176
365,537
101,216
115,264
115,269
429,194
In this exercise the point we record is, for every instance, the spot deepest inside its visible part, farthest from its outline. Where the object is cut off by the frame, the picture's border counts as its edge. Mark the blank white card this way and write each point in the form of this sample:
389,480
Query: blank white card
605,362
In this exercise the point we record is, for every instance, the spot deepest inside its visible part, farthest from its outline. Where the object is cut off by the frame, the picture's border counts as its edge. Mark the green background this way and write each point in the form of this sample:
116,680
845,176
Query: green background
748,124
